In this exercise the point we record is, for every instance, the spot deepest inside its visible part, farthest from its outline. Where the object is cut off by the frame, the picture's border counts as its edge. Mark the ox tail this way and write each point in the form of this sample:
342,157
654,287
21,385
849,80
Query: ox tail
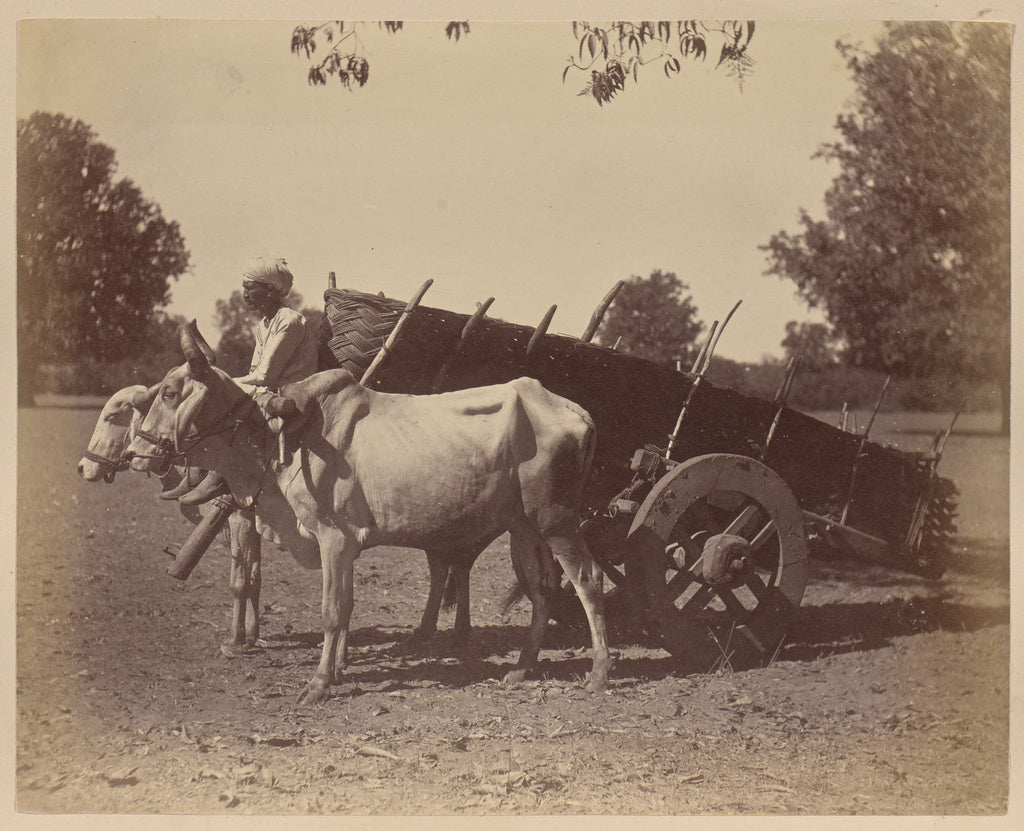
450,591
514,594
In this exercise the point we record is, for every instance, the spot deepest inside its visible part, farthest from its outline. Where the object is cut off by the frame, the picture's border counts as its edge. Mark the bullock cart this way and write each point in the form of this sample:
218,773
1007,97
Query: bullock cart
704,504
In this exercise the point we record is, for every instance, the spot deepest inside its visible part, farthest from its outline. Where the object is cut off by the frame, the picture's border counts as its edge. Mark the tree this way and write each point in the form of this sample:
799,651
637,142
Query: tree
655,318
237,338
610,53
912,264
95,257
814,343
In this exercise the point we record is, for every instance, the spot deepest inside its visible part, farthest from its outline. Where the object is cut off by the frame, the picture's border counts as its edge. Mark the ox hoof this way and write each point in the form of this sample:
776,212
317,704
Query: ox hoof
596,684
234,650
515,676
316,692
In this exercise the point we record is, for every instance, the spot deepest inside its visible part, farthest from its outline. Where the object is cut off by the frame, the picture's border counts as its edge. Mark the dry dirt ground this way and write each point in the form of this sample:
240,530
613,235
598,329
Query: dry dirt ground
890,697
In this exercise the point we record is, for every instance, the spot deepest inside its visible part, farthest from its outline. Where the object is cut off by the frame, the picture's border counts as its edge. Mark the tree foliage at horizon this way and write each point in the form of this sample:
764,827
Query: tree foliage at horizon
611,53
95,257
815,344
912,264
653,317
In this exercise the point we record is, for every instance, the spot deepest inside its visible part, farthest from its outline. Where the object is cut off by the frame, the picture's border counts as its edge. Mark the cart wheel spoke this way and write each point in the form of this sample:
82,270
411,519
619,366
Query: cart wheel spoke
677,584
738,611
700,599
743,519
756,586
763,537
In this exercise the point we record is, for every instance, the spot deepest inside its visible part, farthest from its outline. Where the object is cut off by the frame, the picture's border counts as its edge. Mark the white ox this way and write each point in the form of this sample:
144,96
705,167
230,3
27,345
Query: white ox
107,454
437,472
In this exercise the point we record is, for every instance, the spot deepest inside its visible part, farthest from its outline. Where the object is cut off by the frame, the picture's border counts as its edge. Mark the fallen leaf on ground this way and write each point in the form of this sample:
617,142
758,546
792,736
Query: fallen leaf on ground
370,750
124,776
776,788
274,741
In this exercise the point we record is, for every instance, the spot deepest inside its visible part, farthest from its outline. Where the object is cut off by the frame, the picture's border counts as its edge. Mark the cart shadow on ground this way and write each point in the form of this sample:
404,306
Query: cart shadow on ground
843,613
384,657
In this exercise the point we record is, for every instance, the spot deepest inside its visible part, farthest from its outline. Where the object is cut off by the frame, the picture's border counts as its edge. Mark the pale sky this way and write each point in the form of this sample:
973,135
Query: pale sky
470,163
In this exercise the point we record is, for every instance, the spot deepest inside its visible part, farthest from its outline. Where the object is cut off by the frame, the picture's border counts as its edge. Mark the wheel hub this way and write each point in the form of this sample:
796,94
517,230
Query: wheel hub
726,560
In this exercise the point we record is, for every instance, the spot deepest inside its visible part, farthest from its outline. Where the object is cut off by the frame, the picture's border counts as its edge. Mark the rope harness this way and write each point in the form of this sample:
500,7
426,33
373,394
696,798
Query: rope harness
233,420
110,467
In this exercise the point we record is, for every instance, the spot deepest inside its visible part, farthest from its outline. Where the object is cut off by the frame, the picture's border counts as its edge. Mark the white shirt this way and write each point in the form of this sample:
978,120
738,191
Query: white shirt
285,352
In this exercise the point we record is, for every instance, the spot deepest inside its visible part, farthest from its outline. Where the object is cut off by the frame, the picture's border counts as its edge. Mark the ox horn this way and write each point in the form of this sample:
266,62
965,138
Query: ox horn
197,351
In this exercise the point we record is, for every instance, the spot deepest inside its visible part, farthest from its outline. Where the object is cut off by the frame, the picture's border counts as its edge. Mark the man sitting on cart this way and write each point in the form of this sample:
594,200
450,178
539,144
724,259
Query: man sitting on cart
286,345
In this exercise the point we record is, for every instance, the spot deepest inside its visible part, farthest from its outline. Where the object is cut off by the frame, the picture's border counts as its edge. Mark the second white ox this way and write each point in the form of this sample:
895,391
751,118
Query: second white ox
367,468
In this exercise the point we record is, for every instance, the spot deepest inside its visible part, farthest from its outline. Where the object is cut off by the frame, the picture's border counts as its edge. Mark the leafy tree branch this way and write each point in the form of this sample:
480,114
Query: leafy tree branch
611,53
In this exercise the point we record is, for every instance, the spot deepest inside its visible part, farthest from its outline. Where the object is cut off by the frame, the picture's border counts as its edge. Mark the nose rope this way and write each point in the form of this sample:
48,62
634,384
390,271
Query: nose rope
108,467
117,464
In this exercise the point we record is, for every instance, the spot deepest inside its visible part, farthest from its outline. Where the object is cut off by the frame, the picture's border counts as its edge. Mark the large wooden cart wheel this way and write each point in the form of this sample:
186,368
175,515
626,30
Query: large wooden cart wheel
719,558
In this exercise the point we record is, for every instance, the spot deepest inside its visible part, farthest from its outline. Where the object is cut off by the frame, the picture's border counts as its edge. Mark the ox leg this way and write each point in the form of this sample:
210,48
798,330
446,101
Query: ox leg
438,573
535,569
338,554
460,574
588,579
245,583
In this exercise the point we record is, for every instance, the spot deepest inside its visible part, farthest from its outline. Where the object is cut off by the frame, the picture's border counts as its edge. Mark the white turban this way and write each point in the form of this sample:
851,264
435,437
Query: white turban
273,271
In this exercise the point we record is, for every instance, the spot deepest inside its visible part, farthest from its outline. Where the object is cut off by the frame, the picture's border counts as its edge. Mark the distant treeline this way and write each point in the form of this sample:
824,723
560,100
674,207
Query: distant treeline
859,388
811,391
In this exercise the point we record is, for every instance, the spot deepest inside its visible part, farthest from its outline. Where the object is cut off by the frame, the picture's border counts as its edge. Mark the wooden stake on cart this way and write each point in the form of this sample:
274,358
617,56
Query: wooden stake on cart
599,312
412,304
704,360
844,416
474,319
781,394
860,450
704,349
539,332
332,282
921,508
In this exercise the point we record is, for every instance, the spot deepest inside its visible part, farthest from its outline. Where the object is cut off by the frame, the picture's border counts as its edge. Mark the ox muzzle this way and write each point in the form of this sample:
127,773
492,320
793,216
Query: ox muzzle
149,453
92,467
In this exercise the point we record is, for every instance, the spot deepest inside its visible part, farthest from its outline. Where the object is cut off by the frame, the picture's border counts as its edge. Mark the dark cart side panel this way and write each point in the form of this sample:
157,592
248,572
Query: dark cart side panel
635,402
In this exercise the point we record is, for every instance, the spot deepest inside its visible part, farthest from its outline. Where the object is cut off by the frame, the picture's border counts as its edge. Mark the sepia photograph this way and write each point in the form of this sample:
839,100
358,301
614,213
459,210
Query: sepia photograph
511,418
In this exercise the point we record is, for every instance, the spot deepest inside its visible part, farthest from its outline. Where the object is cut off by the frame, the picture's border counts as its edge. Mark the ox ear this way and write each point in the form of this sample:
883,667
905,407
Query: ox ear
196,350
185,415
140,397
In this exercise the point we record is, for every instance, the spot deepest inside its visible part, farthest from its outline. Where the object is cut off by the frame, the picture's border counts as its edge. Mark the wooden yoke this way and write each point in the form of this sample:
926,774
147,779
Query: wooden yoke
200,538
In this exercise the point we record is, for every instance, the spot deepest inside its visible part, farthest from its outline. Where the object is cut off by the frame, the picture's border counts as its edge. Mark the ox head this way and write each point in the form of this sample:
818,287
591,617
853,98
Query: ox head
191,418
107,451
177,401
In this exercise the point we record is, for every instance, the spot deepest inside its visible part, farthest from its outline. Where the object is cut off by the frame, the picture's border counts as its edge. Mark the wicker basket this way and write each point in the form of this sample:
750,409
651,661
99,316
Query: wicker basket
355,327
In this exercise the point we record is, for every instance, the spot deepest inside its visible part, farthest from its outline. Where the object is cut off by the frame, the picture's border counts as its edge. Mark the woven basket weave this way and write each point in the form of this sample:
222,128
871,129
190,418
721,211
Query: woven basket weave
358,325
